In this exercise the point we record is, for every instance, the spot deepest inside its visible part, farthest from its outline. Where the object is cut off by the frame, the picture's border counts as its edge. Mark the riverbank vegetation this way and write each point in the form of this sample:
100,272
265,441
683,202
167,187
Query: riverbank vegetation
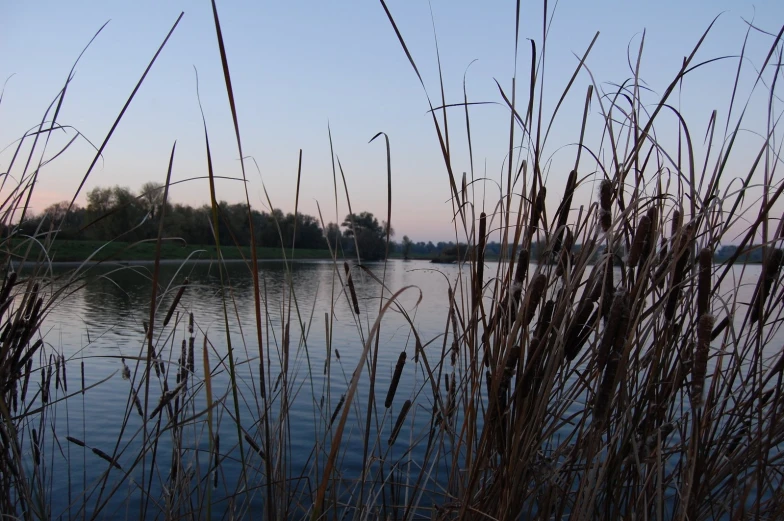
563,389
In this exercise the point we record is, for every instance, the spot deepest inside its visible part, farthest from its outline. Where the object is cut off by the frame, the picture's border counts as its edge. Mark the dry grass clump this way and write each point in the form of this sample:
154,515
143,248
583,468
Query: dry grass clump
614,376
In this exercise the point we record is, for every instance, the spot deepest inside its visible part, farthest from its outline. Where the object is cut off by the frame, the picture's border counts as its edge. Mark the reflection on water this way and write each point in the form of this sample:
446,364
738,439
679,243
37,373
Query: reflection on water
104,322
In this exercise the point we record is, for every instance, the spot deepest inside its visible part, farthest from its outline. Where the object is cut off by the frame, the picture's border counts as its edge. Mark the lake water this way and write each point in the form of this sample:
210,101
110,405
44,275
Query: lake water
103,321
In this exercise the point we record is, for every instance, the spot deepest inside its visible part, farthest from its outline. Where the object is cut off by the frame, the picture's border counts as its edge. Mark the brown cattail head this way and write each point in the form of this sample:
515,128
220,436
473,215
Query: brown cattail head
351,288
653,216
101,454
677,222
640,238
605,202
522,268
399,423
174,303
480,259
401,361
615,328
566,254
337,409
700,361
704,281
538,209
566,203
75,441
535,293
771,272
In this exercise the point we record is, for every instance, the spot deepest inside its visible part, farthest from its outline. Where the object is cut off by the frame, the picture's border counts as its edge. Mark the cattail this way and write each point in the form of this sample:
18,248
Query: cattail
640,238
337,354
191,342
684,247
615,328
538,210
605,201
28,372
75,441
575,336
704,281
255,446
544,320
399,423
677,222
174,303
65,379
566,254
137,403
36,449
700,363
480,259
566,203
534,294
82,376
101,454
773,265
165,399
401,361
126,372
28,356
56,372
8,284
351,288
337,409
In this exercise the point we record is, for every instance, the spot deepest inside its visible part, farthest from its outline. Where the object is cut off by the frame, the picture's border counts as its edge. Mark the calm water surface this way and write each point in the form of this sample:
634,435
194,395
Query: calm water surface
104,321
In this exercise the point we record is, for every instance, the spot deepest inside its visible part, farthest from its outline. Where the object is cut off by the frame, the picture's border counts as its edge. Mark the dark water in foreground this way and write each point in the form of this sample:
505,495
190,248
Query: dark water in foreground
103,321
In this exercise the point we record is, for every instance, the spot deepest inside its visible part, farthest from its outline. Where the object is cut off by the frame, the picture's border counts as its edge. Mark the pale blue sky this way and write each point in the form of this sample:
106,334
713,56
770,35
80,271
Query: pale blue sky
298,66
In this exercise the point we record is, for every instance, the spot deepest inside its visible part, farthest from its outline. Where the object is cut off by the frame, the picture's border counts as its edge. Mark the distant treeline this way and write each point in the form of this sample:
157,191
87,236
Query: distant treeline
118,213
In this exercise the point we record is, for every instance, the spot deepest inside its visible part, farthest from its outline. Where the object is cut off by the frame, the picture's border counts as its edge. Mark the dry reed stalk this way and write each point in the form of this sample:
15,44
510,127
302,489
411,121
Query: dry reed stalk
401,361
217,461
399,422
605,202
700,362
175,302
351,289
704,281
